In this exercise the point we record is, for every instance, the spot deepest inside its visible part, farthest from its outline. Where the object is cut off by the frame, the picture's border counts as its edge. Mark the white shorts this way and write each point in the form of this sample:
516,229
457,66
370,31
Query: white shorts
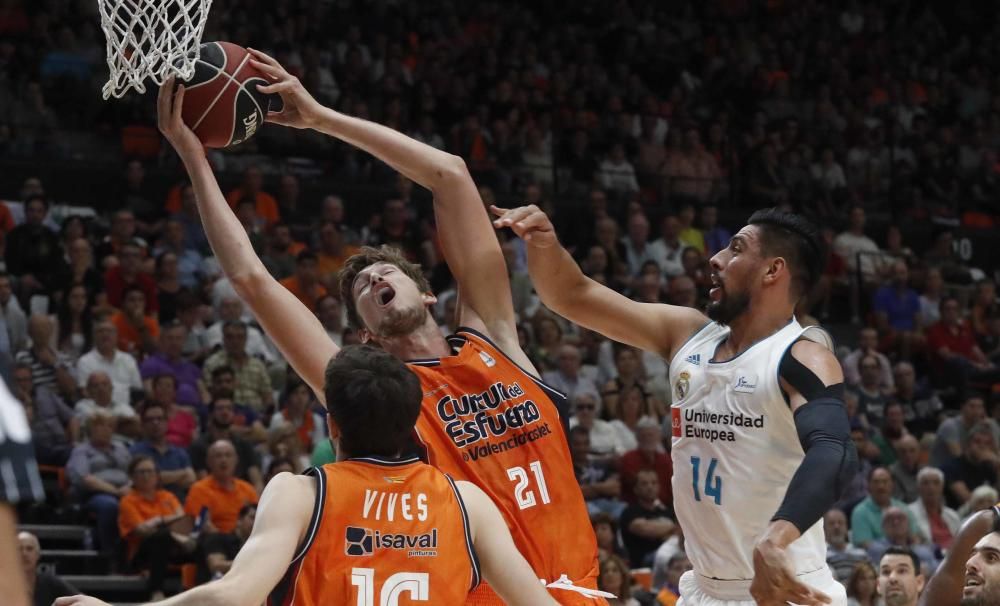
701,591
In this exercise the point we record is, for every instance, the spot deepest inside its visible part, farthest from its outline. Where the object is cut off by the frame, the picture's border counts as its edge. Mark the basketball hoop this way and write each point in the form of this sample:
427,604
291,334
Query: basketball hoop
150,39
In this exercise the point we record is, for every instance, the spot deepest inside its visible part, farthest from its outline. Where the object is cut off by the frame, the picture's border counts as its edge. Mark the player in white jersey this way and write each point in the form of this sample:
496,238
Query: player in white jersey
761,442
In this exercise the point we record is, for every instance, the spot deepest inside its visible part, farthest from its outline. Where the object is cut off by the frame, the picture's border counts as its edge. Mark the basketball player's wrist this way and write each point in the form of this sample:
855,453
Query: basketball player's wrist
779,535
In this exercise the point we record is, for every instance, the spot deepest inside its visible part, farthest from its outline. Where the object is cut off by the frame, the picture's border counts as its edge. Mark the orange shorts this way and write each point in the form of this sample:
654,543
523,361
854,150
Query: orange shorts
485,596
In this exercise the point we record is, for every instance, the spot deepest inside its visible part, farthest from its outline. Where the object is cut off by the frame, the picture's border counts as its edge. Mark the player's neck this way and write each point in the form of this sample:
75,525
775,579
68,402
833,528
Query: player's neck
424,342
756,324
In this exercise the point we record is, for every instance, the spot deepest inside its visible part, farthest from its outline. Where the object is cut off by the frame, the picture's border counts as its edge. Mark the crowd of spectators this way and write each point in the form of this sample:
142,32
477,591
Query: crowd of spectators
647,129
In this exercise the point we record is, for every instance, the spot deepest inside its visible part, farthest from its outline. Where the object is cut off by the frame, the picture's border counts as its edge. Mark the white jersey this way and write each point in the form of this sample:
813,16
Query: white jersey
735,449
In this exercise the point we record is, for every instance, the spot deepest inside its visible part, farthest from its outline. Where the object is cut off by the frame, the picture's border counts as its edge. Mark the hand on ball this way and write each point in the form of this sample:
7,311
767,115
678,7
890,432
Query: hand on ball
169,104
299,108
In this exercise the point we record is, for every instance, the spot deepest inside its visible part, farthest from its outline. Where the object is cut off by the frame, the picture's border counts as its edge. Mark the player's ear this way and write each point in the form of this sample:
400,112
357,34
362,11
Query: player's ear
429,298
333,428
364,335
774,268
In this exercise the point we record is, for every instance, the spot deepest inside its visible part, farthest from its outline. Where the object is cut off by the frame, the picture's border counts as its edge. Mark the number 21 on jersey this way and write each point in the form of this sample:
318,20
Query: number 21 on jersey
526,496
713,483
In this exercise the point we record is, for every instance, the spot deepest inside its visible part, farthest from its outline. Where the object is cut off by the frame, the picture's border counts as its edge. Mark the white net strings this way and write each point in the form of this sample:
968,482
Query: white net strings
150,39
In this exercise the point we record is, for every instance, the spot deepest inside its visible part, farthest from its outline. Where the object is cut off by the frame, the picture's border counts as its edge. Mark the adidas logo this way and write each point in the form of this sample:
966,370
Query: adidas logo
694,359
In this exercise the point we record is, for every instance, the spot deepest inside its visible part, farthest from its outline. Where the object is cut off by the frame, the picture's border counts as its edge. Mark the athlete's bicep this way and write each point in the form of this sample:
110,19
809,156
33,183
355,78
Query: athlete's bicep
653,327
503,566
283,516
807,370
295,330
472,250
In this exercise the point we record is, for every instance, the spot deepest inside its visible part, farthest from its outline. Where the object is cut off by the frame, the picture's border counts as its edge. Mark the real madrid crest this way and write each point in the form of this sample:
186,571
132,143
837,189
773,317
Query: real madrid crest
682,385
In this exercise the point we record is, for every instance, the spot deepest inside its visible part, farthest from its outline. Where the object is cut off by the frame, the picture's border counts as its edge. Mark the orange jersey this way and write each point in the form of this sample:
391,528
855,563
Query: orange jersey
487,421
382,532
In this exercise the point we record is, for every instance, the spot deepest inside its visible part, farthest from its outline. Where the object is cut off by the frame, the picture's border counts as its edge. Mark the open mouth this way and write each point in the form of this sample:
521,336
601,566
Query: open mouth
973,581
715,293
385,294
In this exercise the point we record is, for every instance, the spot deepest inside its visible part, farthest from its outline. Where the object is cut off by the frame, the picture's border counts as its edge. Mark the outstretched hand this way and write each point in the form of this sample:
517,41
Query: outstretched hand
774,582
169,104
299,108
530,224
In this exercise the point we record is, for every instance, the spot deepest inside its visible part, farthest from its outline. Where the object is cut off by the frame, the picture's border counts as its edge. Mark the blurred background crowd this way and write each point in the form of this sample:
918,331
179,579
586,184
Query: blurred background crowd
649,131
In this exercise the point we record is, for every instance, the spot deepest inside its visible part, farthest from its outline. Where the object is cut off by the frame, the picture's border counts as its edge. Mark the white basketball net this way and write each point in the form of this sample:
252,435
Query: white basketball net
150,39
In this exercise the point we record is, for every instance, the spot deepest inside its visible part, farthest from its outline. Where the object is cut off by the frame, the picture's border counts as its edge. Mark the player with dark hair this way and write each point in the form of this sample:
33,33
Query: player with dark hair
486,417
900,579
970,572
372,527
761,442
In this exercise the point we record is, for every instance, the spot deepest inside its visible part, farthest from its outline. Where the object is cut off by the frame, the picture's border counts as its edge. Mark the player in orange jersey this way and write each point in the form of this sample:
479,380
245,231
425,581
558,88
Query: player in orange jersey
486,416
371,528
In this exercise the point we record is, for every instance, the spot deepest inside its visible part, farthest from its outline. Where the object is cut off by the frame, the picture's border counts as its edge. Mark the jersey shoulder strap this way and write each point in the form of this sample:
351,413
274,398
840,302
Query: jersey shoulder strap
320,473
473,558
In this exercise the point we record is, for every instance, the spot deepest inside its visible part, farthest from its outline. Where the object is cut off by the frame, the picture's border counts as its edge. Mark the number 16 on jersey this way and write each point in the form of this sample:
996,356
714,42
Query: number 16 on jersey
713,483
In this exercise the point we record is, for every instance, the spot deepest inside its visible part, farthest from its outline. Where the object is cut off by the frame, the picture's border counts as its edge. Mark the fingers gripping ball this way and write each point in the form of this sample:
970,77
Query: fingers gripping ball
221,102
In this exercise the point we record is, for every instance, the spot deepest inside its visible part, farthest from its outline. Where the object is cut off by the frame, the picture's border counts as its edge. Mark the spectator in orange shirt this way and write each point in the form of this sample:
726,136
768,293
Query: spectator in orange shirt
220,491
146,517
137,332
333,252
253,182
305,284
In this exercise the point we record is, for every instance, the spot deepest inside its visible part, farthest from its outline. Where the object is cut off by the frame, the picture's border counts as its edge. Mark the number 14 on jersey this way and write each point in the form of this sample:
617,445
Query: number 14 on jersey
713,483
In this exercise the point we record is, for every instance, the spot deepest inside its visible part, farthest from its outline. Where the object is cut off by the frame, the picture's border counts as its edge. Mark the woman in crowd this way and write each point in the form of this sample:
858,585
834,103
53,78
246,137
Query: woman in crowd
548,338
614,578
297,411
606,530
277,466
633,404
283,444
76,322
147,519
862,586
629,372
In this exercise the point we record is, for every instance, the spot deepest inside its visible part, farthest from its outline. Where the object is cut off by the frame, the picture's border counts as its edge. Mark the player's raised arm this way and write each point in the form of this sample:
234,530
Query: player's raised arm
564,289
946,587
470,246
293,328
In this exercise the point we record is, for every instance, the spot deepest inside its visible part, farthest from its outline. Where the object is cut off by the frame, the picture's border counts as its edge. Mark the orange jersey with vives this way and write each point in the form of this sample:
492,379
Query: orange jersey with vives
382,532
487,421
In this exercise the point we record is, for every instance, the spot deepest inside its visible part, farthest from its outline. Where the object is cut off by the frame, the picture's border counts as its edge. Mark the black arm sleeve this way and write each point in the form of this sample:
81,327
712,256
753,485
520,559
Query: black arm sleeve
830,462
